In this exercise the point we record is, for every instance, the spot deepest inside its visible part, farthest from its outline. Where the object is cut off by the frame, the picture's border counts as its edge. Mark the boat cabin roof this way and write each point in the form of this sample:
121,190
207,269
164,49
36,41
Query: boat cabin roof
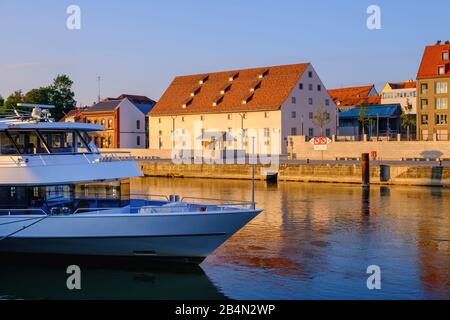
17,124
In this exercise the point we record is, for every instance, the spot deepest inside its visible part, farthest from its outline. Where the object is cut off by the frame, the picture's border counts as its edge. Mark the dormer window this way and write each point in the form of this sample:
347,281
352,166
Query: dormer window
445,55
203,80
263,74
217,102
187,104
233,77
441,70
196,92
228,88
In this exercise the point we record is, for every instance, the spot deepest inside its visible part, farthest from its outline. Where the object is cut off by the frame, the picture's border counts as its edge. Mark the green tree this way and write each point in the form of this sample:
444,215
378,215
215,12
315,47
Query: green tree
321,118
2,101
362,118
38,96
12,101
62,96
407,119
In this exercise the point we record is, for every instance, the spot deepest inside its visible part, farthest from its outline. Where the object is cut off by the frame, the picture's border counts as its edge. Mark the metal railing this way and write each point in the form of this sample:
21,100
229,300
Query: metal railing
184,205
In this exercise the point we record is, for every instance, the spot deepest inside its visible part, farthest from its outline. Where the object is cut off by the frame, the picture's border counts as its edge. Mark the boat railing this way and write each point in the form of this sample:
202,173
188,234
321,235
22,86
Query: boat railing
21,212
43,158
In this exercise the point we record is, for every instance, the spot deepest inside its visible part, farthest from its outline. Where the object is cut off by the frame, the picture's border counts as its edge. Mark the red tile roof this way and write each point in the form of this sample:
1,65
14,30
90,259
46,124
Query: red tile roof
354,96
403,85
431,61
264,89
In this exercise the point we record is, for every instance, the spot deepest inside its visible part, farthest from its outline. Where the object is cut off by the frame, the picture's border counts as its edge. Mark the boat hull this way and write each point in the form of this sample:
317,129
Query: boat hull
171,237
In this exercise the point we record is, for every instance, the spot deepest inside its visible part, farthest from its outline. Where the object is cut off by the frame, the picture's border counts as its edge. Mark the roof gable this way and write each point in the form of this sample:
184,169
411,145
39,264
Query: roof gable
230,91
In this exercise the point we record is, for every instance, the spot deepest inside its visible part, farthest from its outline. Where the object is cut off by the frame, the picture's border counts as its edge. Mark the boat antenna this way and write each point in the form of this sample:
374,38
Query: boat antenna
253,173
99,88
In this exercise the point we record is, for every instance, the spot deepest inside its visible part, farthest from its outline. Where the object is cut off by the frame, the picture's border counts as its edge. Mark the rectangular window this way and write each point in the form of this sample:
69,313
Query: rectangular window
293,131
159,120
441,119
445,56
294,100
311,132
311,115
300,86
293,115
310,74
441,87
424,103
202,118
266,115
319,87
138,124
327,102
266,132
310,101
424,119
328,132
441,103
138,140
442,135
310,87
424,134
182,119
441,70
230,117
424,88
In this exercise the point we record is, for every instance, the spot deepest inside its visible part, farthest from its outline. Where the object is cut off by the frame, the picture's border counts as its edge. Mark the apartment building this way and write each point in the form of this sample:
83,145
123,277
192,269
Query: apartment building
403,93
234,105
125,119
433,80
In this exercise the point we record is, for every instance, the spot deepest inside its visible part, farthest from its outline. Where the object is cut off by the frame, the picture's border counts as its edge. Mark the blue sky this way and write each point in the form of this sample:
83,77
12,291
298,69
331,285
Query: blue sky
137,47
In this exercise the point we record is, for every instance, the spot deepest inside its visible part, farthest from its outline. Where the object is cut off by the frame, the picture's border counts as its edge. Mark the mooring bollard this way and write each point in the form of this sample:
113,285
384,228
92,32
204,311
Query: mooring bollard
365,165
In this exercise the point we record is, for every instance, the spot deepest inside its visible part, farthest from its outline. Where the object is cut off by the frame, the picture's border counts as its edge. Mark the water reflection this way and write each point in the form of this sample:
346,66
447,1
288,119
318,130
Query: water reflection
315,241
48,281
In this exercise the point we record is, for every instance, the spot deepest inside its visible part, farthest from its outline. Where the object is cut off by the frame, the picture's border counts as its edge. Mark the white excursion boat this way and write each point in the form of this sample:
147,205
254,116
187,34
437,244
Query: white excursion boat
59,196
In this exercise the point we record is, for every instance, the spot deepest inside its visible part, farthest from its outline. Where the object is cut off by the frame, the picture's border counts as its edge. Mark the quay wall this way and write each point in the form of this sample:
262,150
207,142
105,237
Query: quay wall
324,173
385,150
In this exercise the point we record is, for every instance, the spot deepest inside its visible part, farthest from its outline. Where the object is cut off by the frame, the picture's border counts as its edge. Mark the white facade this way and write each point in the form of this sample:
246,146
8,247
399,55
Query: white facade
132,126
295,117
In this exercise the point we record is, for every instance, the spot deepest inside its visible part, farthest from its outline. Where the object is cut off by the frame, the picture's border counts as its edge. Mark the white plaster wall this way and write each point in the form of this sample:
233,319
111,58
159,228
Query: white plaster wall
129,114
303,108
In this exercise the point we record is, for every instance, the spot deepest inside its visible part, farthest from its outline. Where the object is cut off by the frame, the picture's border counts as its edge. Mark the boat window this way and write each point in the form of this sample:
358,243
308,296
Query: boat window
28,142
6,145
60,141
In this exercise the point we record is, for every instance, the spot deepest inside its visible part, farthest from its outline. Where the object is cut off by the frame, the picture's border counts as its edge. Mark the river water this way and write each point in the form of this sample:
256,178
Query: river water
313,241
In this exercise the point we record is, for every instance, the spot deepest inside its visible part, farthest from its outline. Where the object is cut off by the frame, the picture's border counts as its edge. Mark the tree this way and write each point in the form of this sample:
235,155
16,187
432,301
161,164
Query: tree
2,101
38,96
59,94
62,96
12,101
362,118
321,118
407,119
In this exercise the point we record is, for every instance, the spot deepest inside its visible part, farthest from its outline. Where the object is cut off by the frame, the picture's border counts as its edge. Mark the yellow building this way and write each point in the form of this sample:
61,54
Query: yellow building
433,80
223,110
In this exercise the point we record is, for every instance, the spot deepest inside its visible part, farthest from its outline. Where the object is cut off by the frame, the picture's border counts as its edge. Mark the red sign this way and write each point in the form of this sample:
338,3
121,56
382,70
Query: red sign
320,141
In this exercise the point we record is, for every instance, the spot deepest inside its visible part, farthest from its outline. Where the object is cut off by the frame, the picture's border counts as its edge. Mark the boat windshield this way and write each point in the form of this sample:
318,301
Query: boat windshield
37,142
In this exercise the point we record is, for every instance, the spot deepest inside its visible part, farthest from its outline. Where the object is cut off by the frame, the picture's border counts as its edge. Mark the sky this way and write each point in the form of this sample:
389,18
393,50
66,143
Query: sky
139,46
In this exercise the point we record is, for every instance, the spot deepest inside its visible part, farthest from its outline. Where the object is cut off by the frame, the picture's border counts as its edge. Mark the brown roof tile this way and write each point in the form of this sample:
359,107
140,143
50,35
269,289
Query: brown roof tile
271,92
432,60
354,96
